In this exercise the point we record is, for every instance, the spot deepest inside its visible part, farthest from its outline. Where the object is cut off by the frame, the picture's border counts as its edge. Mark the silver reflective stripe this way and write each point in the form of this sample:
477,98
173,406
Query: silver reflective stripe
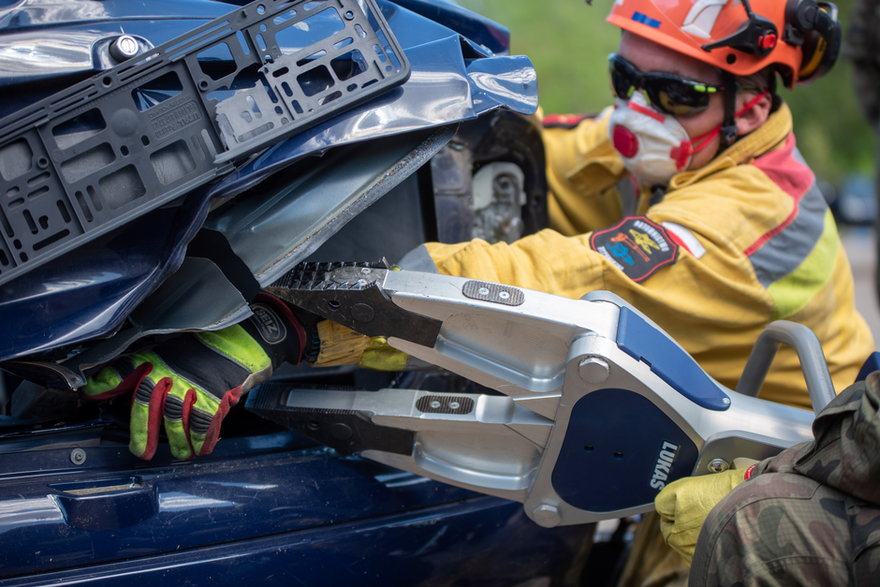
687,238
784,252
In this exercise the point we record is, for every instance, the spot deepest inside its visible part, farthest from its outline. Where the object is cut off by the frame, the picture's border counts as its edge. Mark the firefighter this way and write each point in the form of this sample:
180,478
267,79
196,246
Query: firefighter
728,229
767,530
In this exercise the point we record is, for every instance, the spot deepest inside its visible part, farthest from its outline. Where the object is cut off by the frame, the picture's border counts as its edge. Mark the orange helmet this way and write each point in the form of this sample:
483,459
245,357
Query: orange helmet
800,37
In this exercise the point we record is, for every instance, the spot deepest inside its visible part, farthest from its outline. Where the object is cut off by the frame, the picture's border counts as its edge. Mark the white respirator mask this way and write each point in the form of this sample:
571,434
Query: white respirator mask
654,146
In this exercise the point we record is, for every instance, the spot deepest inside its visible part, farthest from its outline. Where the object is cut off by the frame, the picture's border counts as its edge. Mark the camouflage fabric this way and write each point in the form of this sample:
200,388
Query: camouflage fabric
809,516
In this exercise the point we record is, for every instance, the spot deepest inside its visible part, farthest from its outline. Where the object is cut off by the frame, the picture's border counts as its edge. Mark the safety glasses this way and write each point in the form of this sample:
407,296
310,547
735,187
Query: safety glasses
667,92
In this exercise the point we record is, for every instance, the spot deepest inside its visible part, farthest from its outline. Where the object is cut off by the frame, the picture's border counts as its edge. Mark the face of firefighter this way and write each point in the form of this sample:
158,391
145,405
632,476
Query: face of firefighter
654,137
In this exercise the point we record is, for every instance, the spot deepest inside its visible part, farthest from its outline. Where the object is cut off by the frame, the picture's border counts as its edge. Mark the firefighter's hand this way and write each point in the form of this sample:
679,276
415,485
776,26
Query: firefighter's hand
343,346
684,504
190,382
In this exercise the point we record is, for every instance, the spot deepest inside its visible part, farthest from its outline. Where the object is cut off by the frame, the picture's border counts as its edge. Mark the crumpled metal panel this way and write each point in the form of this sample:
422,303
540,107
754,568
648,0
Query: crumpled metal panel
473,27
266,509
79,296
91,290
46,44
271,234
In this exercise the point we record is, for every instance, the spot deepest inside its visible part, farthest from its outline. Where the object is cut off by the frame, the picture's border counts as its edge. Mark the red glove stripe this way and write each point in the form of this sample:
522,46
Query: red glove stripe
128,383
154,418
188,400
230,398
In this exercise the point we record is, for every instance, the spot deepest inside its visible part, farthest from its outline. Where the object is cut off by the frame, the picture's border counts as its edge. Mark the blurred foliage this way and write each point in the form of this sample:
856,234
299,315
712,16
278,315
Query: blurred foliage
568,42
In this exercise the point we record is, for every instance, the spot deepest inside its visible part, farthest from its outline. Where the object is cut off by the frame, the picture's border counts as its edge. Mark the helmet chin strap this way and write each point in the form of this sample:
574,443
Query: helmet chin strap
728,125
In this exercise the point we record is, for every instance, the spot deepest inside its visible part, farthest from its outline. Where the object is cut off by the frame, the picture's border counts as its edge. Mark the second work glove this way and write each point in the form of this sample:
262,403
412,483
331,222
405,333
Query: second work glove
684,504
340,345
189,383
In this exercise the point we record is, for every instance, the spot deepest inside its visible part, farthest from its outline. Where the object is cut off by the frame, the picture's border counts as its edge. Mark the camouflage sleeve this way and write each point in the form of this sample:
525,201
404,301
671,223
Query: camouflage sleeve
787,529
845,454
810,515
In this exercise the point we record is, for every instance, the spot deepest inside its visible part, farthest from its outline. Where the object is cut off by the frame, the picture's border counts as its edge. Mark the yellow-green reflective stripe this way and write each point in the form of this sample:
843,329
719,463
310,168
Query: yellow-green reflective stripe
795,290
237,345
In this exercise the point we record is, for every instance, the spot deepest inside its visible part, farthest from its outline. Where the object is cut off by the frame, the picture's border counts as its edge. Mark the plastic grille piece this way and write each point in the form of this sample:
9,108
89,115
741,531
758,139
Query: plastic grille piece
645,342
110,148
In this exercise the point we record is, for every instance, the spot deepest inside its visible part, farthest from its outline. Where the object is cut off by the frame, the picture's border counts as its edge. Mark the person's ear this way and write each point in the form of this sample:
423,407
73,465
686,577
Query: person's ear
754,116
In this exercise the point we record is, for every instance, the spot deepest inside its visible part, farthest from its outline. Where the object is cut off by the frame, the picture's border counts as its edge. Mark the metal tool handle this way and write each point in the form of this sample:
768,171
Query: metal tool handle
602,407
810,354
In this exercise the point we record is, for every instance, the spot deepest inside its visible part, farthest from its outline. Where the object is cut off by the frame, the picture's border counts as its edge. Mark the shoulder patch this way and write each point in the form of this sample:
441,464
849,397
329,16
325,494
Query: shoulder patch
637,246
568,121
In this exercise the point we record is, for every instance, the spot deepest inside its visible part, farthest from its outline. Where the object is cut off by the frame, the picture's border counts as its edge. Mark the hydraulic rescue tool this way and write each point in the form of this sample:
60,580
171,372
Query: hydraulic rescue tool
594,409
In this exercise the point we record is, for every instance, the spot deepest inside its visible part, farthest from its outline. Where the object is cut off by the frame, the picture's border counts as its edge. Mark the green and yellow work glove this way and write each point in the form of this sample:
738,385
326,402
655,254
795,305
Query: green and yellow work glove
684,504
190,382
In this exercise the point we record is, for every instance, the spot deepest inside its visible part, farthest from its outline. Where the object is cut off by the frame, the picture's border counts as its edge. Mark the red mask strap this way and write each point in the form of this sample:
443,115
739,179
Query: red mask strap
682,154
751,103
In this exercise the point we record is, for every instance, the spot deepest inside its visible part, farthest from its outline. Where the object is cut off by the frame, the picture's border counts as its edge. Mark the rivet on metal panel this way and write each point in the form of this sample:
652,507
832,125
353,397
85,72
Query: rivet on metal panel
77,456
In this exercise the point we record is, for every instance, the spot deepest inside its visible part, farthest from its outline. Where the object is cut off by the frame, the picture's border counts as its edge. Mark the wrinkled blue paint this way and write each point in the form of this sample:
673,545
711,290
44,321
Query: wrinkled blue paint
269,509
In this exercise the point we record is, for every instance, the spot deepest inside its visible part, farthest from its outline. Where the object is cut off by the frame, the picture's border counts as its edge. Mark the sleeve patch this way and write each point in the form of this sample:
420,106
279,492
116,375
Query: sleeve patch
637,246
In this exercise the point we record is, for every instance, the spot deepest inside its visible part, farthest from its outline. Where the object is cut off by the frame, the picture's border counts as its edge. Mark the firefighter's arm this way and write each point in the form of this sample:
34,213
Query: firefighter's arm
583,172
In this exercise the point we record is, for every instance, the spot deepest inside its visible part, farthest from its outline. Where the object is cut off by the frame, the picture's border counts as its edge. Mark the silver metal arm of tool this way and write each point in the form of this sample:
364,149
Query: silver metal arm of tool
809,351
597,409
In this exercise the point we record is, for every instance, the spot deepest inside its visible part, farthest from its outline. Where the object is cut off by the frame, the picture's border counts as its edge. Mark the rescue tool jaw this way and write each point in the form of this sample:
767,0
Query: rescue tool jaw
351,294
594,409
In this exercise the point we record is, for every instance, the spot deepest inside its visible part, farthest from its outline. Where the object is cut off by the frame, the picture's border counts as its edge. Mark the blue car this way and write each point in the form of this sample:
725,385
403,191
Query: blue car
130,214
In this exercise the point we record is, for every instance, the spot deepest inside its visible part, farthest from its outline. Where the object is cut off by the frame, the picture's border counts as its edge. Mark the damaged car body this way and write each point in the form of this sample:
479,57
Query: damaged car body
440,147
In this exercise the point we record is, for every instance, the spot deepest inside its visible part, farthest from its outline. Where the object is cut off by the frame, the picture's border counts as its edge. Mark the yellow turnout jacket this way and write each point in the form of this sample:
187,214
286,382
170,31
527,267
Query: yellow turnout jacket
742,241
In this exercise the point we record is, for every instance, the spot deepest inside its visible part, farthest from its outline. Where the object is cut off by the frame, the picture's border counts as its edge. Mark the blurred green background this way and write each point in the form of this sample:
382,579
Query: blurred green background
568,41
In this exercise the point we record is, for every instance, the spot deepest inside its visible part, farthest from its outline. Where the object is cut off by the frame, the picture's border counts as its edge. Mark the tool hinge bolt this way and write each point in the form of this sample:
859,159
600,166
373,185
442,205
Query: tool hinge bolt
546,515
594,370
